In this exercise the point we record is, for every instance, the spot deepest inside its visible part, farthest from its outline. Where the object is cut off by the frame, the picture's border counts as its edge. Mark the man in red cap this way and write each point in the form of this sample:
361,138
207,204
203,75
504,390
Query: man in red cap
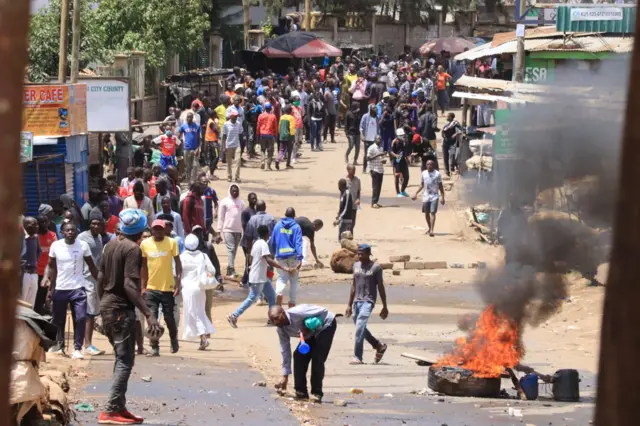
160,288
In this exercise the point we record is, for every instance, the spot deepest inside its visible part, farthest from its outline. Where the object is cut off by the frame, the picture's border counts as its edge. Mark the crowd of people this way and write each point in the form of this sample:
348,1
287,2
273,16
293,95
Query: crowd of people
143,247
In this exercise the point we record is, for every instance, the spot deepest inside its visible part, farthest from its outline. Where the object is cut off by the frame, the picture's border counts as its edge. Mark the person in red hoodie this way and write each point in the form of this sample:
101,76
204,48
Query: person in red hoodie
193,208
266,133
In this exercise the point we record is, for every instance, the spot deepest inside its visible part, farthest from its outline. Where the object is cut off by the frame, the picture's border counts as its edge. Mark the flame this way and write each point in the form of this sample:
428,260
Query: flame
493,345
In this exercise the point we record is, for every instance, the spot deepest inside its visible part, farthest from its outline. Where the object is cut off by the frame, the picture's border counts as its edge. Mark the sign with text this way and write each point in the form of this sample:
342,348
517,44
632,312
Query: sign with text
107,105
26,147
596,14
538,70
503,148
56,110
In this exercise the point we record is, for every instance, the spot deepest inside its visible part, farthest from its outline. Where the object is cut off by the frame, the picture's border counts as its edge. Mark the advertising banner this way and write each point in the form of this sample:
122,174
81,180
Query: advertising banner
26,147
56,110
107,105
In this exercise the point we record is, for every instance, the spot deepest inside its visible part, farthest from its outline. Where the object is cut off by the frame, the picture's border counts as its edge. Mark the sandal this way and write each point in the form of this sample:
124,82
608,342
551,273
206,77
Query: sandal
356,361
380,352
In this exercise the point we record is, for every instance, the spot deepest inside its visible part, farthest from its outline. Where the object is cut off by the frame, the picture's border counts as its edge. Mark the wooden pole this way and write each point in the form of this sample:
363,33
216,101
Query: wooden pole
618,396
246,12
75,41
62,52
13,33
307,15
519,71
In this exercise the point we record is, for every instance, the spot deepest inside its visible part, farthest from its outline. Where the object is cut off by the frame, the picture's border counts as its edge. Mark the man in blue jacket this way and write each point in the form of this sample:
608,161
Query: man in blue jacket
286,245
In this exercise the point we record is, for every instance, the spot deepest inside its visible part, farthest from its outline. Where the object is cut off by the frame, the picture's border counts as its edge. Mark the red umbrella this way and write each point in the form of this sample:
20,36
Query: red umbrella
299,45
453,45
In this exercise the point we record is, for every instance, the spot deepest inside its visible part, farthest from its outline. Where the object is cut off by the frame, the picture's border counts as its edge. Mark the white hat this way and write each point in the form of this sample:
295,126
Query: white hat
238,86
191,242
399,132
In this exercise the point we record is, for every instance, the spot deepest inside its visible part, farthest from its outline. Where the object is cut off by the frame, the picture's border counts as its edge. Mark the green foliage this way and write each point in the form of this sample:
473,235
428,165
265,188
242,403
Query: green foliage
152,26
44,40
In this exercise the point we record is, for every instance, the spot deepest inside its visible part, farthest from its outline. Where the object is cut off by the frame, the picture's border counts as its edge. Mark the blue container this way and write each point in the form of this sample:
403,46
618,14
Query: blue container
529,385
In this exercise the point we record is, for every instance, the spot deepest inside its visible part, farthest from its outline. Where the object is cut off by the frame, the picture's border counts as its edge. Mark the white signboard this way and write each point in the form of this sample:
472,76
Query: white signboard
107,105
596,14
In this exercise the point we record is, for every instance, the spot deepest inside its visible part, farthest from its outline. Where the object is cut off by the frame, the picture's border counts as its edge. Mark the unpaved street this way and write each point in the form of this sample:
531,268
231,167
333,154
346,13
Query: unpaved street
216,387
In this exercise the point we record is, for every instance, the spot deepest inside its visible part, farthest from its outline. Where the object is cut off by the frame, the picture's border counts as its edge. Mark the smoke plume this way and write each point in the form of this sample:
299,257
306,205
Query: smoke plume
568,148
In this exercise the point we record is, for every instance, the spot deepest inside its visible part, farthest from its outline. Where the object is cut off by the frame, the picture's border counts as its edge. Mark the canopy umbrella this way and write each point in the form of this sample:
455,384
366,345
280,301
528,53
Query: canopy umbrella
299,44
453,45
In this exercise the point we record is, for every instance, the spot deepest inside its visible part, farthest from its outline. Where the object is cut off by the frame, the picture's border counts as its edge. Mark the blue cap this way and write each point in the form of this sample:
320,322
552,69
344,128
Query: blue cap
364,247
267,105
132,221
414,94
393,91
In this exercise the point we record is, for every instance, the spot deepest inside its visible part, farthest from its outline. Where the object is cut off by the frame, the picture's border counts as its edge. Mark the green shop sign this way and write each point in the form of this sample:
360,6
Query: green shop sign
538,70
503,144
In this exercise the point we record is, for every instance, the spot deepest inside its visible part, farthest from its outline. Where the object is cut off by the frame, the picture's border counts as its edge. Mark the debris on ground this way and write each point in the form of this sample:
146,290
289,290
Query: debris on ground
146,379
85,407
260,384
340,403
356,391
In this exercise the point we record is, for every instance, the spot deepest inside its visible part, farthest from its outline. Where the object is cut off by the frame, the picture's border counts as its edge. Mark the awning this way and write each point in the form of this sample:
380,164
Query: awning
481,97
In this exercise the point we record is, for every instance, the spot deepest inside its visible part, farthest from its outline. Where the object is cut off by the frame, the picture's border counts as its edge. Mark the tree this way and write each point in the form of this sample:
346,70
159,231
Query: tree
153,26
44,40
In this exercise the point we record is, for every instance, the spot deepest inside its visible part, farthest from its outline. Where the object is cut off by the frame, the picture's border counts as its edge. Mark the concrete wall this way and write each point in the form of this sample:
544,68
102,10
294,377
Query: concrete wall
150,109
391,38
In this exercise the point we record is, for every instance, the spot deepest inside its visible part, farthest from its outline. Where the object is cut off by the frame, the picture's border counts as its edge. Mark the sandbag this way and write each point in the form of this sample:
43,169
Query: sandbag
477,163
25,383
342,261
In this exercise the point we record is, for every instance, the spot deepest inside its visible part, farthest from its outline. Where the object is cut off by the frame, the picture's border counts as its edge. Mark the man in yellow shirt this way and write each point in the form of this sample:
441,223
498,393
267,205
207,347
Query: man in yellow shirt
221,112
286,133
159,285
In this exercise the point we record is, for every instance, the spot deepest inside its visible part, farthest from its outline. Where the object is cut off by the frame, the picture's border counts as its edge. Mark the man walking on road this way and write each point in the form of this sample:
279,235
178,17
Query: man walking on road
230,225
231,133
317,326
286,244
118,286
344,219
266,134
367,282
369,124
67,258
246,215
158,254
354,186
191,133
431,182
375,156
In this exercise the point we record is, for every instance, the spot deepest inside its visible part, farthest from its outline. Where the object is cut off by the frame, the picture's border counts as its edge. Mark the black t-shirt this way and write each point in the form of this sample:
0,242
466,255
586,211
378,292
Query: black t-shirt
121,259
307,227
141,157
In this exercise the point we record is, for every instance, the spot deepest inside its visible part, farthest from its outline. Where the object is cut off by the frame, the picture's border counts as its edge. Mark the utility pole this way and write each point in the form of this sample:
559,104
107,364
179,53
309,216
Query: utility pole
246,20
618,394
13,33
520,53
75,41
307,15
62,53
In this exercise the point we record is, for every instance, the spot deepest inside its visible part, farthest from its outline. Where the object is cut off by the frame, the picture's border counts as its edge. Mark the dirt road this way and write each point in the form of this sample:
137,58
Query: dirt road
215,387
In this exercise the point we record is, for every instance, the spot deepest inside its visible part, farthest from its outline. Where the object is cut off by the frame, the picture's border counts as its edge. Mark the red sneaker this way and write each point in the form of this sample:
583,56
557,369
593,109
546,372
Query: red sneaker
127,413
115,419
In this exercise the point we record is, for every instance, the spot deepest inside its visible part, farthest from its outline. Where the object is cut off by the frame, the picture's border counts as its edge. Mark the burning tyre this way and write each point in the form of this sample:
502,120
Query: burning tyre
457,381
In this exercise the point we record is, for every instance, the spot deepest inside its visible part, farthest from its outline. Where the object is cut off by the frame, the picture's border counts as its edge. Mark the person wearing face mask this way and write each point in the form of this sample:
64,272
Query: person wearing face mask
168,143
370,129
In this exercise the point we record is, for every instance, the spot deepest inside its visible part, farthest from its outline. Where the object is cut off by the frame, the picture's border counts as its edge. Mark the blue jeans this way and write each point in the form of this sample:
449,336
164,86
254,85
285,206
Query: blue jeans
361,314
254,292
316,130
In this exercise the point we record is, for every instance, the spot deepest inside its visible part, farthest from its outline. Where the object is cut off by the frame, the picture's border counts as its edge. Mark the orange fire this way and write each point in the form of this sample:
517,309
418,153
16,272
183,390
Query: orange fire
493,345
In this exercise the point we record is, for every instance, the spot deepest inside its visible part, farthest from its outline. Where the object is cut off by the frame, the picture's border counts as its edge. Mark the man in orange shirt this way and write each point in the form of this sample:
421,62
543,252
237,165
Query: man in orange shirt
266,133
211,137
168,143
442,80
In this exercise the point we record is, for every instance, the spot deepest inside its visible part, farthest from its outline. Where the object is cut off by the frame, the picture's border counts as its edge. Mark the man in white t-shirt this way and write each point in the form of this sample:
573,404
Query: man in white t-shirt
67,258
259,282
431,182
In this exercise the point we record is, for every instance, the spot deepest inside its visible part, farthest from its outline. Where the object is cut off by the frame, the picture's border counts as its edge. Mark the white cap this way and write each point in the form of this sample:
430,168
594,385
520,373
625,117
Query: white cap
399,132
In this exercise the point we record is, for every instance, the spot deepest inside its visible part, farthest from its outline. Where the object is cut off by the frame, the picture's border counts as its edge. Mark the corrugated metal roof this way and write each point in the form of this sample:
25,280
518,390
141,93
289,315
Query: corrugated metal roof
533,33
593,44
485,97
626,25
495,85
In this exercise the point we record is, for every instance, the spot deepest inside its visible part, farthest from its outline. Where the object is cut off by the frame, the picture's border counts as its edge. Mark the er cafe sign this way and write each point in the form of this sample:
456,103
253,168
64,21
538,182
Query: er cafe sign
596,14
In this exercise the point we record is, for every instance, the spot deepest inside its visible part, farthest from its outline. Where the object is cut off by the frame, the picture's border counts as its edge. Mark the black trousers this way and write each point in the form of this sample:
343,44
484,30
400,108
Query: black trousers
376,184
402,170
154,299
40,305
320,346
120,329
446,148
330,126
245,275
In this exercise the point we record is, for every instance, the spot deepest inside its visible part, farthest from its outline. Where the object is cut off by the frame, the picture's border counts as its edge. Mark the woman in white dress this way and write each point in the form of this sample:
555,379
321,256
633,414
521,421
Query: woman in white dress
194,265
